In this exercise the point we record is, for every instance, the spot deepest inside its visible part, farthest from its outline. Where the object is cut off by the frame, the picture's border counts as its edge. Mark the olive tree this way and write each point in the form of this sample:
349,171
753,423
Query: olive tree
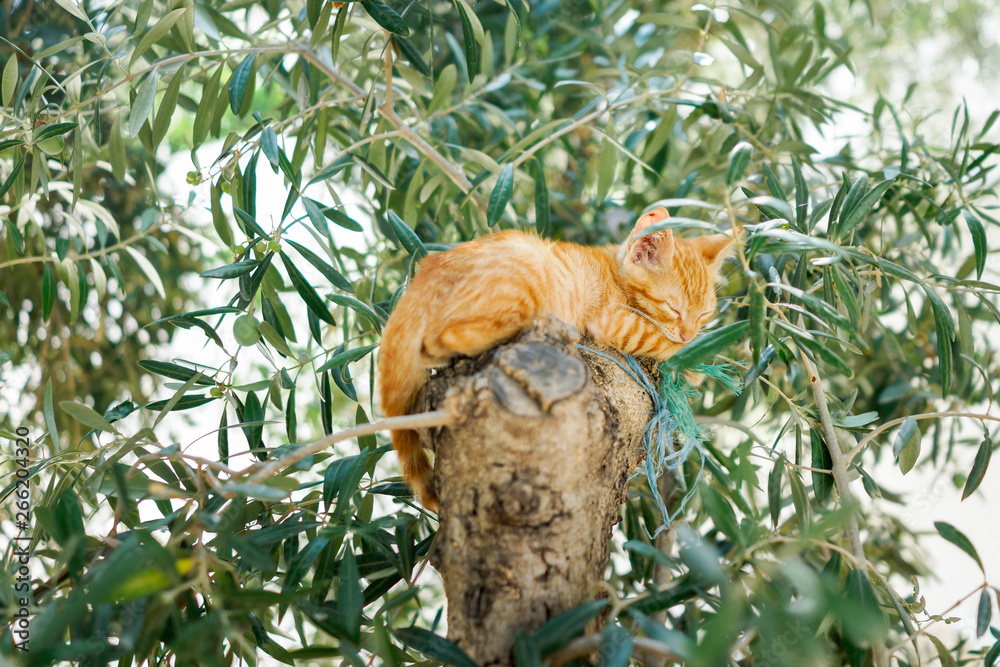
192,373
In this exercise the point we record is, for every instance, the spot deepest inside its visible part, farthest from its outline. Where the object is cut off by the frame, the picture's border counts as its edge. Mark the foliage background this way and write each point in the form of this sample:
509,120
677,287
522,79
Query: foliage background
391,131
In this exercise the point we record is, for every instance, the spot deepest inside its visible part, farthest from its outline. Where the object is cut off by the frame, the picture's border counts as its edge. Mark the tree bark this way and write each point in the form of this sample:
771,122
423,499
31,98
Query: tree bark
531,479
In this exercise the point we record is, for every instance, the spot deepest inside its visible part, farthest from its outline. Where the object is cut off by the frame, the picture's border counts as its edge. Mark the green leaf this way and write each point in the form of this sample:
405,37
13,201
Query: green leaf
7,144
822,481
331,274
955,536
269,144
346,357
978,241
224,438
444,87
801,196
341,479
50,416
434,646
543,215
182,403
846,292
469,36
340,218
944,655
157,32
567,625
86,416
705,347
350,600
739,158
411,54
406,236
313,302
357,306
148,269
8,83
48,292
774,489
526,653
12,176
985,614
315,214
143,103
168,103
251,421
53,130
758,321
173,371
852,214
304,559
501,194
979,467
906,447
800,499
945,328
721,512
386,17
231,270
239,83
616,646
607,161
850,201
249,225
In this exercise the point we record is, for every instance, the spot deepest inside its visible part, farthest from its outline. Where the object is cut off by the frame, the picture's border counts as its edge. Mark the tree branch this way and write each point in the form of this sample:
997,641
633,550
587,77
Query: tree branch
840,461
266,469
451,171
896,422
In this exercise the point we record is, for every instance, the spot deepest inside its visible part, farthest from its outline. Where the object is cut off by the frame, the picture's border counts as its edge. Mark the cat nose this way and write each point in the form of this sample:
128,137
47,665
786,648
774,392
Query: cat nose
686,338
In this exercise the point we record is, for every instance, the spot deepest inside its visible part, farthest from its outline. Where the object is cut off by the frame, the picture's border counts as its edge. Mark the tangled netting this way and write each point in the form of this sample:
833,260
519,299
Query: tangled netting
671,433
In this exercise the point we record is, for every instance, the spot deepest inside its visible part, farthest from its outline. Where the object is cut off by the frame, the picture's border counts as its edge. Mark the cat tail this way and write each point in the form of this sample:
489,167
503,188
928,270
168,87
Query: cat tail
402,376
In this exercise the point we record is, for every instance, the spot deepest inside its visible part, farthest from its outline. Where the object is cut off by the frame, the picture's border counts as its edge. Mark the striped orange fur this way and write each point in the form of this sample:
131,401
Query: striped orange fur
649,296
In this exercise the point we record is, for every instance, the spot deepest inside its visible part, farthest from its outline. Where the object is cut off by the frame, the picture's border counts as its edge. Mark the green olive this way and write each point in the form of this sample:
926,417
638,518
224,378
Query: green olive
245,330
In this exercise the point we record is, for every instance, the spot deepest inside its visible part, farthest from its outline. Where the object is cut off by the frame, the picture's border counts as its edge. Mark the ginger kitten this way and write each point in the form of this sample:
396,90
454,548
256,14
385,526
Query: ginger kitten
649,296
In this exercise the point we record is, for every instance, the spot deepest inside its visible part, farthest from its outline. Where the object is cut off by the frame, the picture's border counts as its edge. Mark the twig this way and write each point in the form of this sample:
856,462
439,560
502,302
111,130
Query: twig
89,255
937,618
451,171
266,469
896,422
840,463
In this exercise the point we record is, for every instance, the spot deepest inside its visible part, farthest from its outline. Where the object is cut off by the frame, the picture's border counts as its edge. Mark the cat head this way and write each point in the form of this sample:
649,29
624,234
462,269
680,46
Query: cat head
672,279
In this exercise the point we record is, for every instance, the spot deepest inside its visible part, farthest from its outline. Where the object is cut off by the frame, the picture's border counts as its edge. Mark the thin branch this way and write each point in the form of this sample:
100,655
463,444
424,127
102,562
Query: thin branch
840,461
936,618
266,469
451,171
90,255
896,422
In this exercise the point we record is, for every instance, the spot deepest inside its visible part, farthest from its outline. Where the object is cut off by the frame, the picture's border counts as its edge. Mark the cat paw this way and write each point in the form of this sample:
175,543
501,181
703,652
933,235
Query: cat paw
694,379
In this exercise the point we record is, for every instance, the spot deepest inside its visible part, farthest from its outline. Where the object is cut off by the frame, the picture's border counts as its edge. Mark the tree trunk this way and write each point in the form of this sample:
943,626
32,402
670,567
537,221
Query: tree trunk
531,480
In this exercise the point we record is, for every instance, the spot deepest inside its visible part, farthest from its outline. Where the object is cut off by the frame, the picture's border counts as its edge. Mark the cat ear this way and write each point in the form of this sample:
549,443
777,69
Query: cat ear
656,247
715,249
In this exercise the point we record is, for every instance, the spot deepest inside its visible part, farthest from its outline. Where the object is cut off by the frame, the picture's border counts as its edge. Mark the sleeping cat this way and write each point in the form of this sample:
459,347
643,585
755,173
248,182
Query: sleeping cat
648,296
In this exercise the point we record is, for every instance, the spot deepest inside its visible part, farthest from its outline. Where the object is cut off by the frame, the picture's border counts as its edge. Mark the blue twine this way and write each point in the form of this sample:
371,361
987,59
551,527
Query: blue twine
671,416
